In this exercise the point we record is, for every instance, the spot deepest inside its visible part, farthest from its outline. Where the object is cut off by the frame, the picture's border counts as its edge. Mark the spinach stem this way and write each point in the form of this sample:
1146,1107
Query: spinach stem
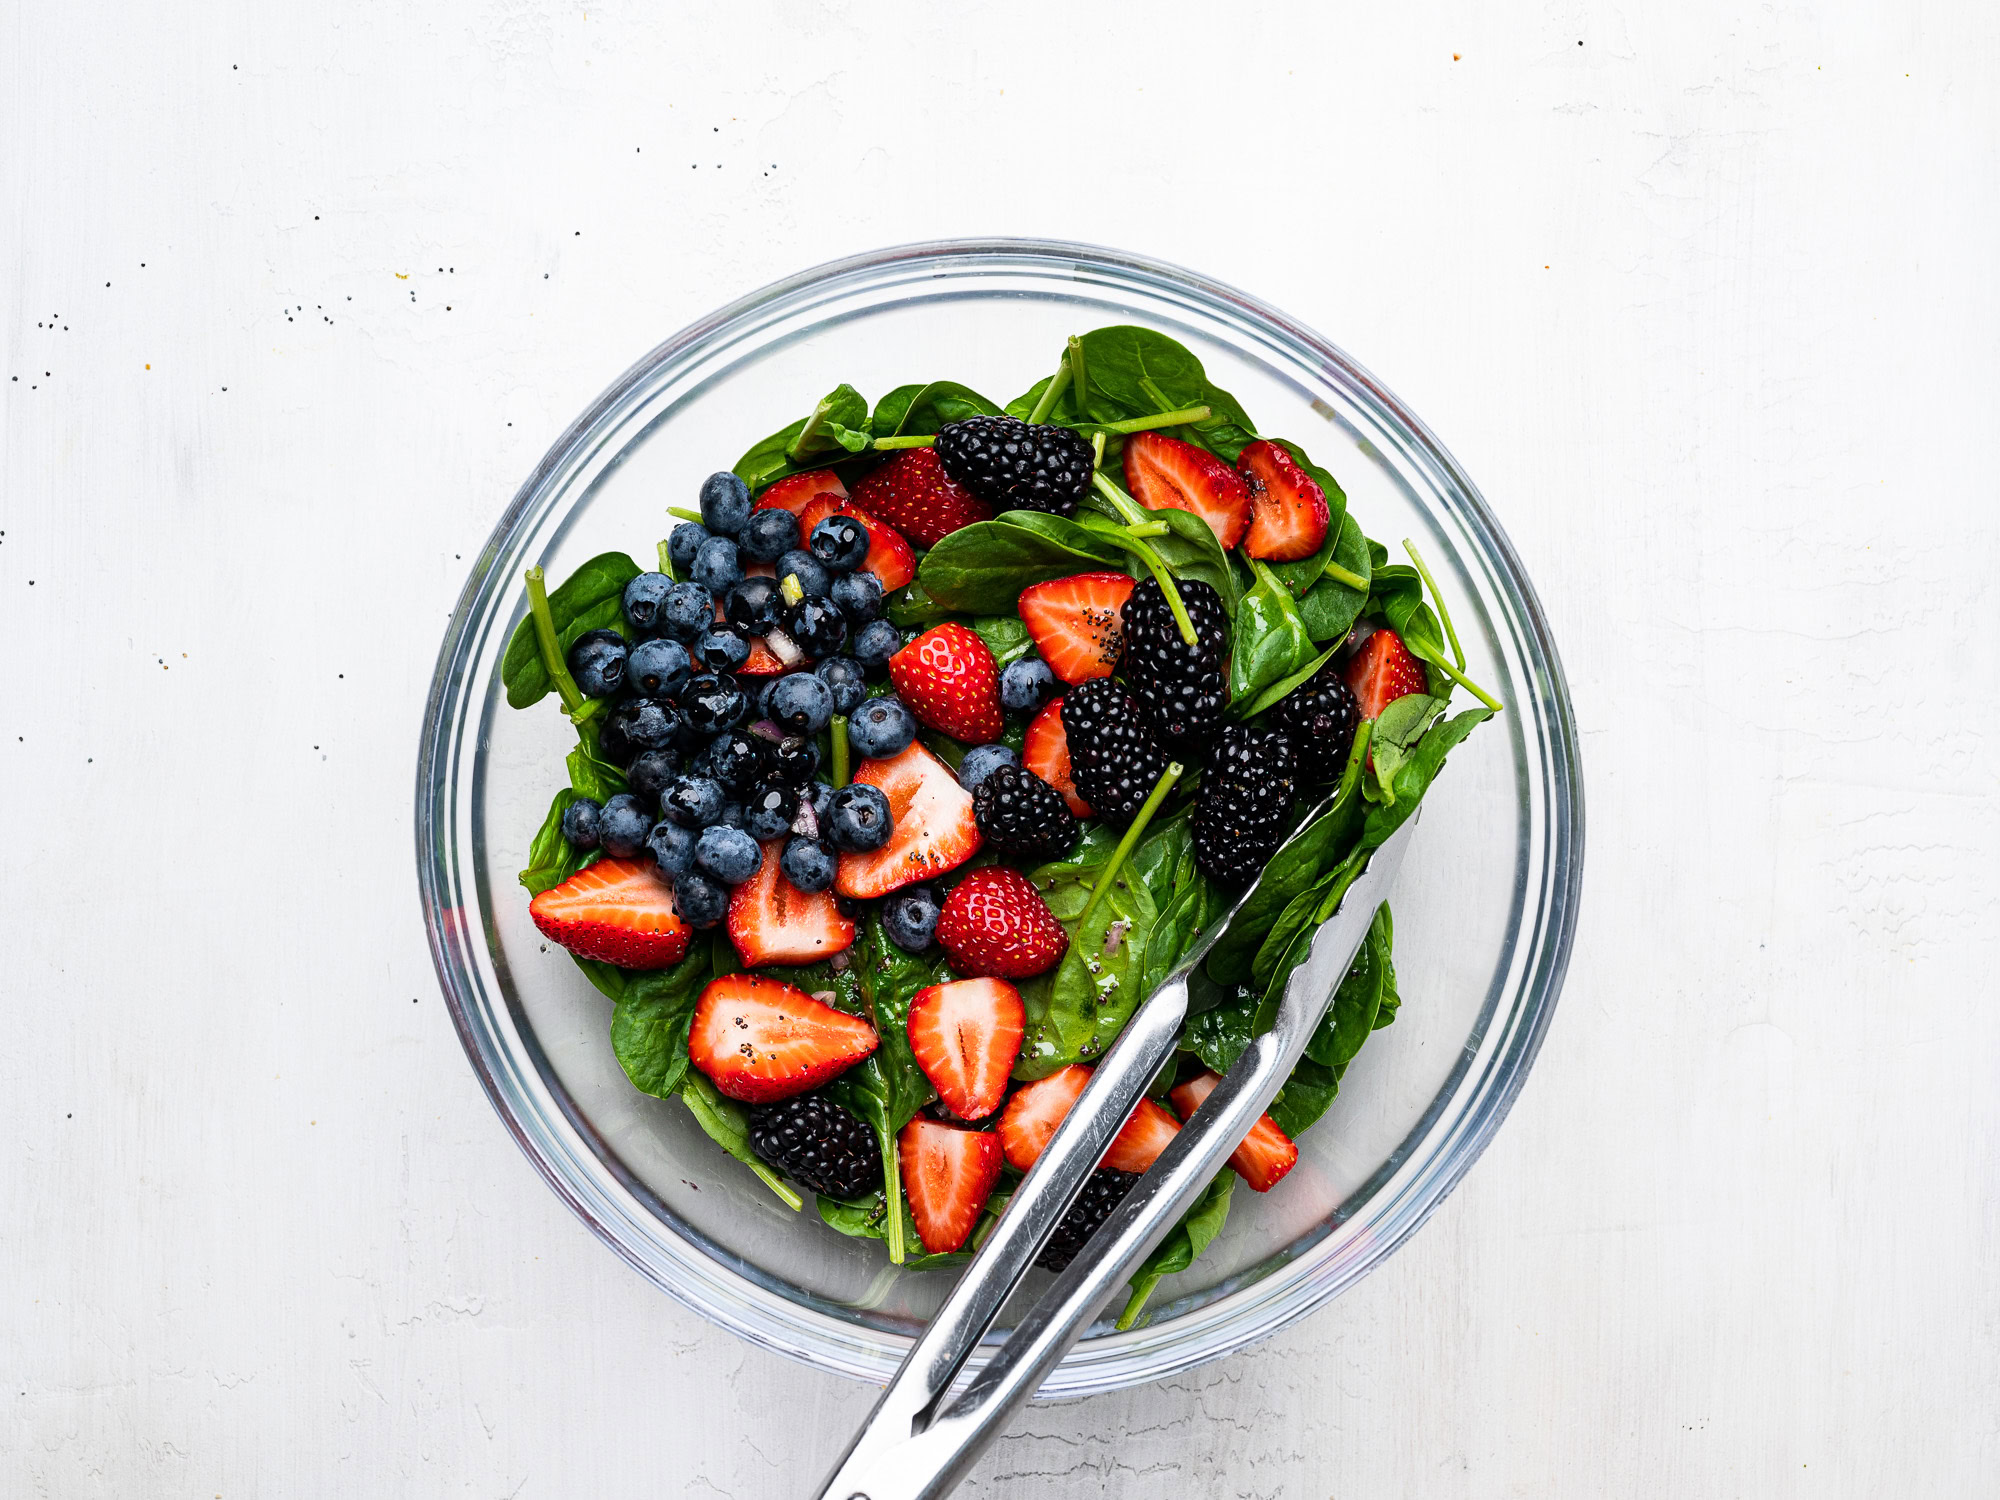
771,1180
1142,1289
1186,416
1466,682
1125,845
1339,574
1357,758
1133,512
590,710
892,1197
1076,374
1097,450
1058,383
682,513
1149,528
1444,610
794,450
1127,539
838,728
666,562
923,440
545,637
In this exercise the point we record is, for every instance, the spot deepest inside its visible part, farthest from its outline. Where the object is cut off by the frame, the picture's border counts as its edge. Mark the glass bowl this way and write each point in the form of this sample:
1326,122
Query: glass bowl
1485,908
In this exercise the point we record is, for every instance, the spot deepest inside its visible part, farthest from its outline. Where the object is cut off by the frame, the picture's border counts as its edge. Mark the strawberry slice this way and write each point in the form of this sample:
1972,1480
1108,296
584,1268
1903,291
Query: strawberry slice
1383,671
996,922
1288,509
913,494
965,1036
1139,1143
1045,751
1165,473
817,510
1078,623
758,1039
934,829
1266,1154
949,679
889,556
1031,1116
617,911
772,921
795,491
948,1174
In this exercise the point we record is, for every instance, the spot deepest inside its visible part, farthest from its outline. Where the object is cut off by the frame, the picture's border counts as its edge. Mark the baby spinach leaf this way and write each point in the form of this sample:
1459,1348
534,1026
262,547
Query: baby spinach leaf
1005,636
912,608
837,428
1385,1012
589,773
981,569
609,978
1329,607
1351,1015
552,859
1401,725
1083,1006
1131,371
1190,550
1300,576
1414,777
1196,1231
1218,1035
912,410
1270,641
1163,855
1306,1096
889,980
1300,915
1269,697
1292,870
728,1125
591,598
649,1026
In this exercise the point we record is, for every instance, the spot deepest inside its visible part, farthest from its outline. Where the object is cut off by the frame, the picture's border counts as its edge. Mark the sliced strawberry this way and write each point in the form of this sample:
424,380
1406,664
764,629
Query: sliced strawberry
772,921
912,493
965,1036
949,679
763,662
794,491
934,829
817,510
758,1039
1165,473
1078,623
948,1174
1288,509
618,911
1045,751
1383,671
1266,1154
1031,1116
995,922
889,556
1139,1144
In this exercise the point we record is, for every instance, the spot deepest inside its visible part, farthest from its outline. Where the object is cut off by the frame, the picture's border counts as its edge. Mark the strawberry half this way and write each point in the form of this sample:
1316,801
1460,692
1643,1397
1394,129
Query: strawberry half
618,911
1383,671
772,921
1139,1144
889,556
934,829
1078,623
1165,473
1288,509
795,491
950,681
1045,751
1032,1115
948,1175
758,1039
965,1036
1266,1154
994,922
913,494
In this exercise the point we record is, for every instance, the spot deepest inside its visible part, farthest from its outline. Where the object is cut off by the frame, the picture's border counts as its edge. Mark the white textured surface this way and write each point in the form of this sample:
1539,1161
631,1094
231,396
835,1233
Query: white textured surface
1704,298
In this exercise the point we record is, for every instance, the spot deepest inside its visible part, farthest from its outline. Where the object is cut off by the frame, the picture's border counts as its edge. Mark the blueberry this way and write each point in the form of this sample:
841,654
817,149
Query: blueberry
683,542
881,727
800,704
727,854
769,811
623,825
734,761
808,864
795,760
982,761
717,568
580,822
686,612
802,565
638,724
721,649
725,503
859,596
597,662
658,668
849,683
651,773
860,819
731,815
910,918
877,641
692,802
840,542
643,596
770,534
711,704
699,900
752,605
817,625
1026,685
672,847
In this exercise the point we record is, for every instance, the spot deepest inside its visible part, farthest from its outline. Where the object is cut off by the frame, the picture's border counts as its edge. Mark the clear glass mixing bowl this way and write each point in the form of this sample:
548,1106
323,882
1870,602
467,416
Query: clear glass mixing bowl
1485,907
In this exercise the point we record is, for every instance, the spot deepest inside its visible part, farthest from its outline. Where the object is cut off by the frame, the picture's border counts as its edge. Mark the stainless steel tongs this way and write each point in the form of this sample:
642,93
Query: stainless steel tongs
916,1444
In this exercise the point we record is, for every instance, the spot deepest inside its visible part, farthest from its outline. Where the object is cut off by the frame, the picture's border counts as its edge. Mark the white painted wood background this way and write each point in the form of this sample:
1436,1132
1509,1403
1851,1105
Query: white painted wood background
1703,295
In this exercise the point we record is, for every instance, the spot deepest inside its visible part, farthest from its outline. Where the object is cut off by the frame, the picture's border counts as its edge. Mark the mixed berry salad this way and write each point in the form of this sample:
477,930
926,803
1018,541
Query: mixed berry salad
931,742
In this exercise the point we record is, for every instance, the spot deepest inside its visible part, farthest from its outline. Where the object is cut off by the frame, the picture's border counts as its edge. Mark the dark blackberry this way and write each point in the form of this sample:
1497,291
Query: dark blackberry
1019,813
1113,759
819,1145
1015,466
1183,688
1246,794
1103,1190
1319,717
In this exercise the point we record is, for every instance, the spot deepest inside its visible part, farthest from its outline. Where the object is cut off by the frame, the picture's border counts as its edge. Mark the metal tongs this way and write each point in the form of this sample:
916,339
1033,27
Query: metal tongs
916,1444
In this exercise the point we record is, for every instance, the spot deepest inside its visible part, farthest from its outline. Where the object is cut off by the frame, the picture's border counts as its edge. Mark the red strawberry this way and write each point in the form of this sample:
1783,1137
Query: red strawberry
817,510
1288,510
966,1035
1032,1115
764,661
934,830
912,493
794,491
772,921
951,682
1045,751
1266,1154
1078,623
1383,671
758,1039
889,556
948,1174
995,922
618,911
1165,473
1139,1144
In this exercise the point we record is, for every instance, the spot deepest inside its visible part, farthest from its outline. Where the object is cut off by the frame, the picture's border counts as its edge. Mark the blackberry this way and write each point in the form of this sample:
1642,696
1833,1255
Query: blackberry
1113,759
1183,688
1014,466
1103,1190
819,1145
1019,813
1319,717
1240,813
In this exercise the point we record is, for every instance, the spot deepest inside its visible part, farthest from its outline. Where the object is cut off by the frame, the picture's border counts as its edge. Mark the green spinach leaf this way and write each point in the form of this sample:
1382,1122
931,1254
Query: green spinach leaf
728,1125
1085,1003
912,608
1329,607
1005,636
1196,1231
1397,732
837,428
1292,870
1131,372
649,1026
1415,775
591,598
912,410
1218,1035
981,569
1270,641
1307,1095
